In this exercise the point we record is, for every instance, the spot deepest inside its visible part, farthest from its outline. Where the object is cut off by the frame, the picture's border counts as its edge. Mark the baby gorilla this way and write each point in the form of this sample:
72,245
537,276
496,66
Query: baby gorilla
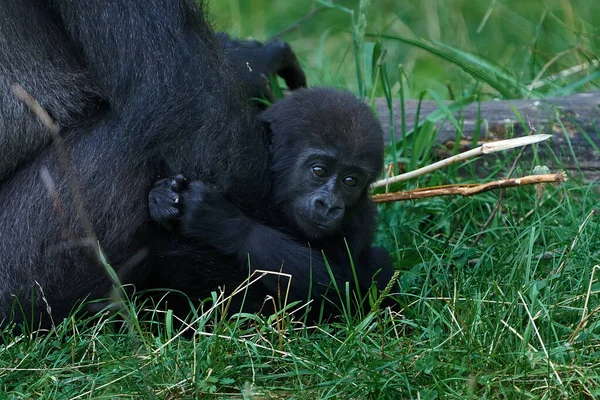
326,149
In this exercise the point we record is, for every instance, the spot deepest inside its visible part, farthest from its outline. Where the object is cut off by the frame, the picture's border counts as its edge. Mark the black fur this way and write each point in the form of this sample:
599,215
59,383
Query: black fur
142,90
327,148
45,53
252,61
170,104
37,54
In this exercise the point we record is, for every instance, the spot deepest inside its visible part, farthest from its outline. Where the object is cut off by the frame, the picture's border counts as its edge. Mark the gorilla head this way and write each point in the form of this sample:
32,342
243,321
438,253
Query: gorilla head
327,147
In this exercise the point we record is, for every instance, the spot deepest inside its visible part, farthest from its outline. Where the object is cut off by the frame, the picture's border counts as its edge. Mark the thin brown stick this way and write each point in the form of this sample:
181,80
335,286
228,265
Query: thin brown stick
469,189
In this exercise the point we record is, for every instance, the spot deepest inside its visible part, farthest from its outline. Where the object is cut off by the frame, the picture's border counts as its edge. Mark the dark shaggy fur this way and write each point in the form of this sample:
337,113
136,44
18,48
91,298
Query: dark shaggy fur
142,90
171,105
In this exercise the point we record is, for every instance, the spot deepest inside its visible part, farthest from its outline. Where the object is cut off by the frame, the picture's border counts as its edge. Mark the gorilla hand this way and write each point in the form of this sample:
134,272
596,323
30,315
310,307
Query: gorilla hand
164,200
254,61
198,210
210,218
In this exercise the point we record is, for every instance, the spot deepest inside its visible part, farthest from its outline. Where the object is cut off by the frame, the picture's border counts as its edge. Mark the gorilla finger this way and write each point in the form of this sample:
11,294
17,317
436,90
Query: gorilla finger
174,198
251,44
230,44
162,182
178,182
267,90
277,53
171,213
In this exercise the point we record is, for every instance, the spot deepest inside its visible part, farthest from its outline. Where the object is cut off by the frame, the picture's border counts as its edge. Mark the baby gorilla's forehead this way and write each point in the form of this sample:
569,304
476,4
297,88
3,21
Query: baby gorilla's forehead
348,126
346,144
333,121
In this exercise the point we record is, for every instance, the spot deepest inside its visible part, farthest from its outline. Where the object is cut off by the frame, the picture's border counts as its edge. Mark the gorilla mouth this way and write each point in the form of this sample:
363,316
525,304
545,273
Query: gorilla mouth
312,228
322,228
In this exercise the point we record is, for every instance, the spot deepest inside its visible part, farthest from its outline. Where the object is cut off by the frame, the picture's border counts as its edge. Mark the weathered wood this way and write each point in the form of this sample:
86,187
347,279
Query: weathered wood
579,114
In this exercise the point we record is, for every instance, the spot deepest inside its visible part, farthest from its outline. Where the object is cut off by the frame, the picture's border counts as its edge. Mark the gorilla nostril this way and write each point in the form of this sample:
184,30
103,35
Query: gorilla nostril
327,208
321,205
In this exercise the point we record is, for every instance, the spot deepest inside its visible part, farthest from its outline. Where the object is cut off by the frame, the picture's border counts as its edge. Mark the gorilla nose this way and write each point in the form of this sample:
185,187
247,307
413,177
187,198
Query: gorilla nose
328,208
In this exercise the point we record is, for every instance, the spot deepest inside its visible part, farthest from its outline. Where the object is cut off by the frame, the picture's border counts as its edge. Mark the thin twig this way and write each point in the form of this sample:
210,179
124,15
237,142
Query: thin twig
469,189
536,81
565,74
36,108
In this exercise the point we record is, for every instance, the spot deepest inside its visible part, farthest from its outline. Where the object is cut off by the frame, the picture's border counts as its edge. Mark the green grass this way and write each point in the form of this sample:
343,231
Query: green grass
518,37
514,315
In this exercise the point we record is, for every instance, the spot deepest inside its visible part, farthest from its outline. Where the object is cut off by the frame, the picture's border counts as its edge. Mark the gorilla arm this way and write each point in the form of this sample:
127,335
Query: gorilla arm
209,219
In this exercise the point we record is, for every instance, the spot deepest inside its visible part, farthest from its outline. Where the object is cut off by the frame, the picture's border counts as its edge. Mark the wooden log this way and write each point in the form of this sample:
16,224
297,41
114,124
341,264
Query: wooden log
573,121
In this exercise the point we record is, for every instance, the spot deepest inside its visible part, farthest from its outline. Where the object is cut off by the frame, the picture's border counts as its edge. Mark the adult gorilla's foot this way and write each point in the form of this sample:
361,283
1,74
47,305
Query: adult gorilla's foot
164,200
254,61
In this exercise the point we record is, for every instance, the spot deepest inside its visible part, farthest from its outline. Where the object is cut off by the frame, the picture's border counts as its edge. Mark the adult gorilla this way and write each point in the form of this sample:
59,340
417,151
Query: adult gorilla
154,96
170,104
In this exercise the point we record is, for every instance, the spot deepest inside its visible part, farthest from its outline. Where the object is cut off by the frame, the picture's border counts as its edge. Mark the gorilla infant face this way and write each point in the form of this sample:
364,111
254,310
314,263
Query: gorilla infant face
327,147
325,187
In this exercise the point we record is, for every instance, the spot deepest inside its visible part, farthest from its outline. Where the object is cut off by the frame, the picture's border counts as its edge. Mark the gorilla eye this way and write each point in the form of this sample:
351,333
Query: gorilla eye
350,181
320,171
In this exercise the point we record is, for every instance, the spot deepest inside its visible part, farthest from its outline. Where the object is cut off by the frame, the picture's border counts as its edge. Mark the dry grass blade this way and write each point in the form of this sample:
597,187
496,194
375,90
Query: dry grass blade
487,148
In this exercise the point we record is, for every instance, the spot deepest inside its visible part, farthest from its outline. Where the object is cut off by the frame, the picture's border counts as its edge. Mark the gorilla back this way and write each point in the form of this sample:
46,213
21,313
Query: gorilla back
171,106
